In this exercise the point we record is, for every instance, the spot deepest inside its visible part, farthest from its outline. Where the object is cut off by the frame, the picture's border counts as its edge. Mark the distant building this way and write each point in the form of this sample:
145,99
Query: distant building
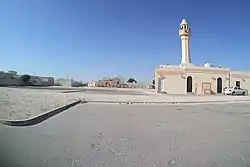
35,81
12,72
10,78
92,84
116,83
188,78
41,81
108,82
138,85
63,82
67,82
47,81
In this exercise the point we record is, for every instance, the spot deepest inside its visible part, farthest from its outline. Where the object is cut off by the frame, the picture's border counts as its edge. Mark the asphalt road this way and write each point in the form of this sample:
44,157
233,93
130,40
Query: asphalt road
97,135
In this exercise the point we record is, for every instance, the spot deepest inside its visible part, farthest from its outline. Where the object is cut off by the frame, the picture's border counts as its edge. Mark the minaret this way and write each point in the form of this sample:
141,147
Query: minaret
185,33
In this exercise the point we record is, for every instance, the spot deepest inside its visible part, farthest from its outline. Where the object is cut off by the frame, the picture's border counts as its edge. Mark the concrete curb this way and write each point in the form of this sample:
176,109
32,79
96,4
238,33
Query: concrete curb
40,118
44,116
158,102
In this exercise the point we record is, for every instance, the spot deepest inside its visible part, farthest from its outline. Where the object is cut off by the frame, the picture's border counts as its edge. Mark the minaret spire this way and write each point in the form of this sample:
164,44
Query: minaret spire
185,34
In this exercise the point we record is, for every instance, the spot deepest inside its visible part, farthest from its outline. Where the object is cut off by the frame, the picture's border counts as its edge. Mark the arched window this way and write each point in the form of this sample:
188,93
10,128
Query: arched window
189,84
219,85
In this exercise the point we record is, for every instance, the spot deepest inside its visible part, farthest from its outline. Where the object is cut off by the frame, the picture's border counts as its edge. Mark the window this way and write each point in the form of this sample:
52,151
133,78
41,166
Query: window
238,84
189,84
219,85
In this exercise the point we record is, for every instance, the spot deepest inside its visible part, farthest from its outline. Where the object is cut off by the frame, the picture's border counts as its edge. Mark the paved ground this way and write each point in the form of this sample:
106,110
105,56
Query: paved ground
133,135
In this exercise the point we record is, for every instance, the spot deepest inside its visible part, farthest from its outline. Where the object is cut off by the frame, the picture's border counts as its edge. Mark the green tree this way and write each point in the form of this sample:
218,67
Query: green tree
131,80
25,78
153,83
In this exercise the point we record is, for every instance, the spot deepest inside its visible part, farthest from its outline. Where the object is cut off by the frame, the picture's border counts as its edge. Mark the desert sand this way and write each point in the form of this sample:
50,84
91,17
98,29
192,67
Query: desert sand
22,103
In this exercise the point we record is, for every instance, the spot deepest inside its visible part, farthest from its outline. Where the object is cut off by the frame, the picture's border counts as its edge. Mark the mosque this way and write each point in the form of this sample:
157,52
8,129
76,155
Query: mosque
188,78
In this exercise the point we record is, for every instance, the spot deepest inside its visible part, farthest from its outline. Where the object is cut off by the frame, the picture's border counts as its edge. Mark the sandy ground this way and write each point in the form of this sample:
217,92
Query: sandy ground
25,103
22,103
133,136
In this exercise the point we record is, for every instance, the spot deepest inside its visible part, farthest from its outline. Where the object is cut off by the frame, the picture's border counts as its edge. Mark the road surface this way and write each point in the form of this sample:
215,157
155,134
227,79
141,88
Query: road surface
98,135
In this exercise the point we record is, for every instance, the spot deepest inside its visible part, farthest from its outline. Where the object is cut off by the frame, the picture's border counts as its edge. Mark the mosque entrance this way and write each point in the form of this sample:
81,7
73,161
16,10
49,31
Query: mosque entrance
219,85
189,84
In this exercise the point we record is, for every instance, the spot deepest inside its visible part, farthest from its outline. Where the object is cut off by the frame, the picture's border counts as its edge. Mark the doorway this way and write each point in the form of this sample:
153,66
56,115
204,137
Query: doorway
206,87
219,85
161,84
238,84
189,84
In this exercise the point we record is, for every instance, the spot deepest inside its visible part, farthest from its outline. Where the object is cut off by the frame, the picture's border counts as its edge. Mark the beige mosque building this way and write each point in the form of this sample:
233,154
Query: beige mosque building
188,78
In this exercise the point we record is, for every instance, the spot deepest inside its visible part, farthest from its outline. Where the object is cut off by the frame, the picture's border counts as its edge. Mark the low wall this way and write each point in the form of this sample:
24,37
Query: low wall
63,82
10,82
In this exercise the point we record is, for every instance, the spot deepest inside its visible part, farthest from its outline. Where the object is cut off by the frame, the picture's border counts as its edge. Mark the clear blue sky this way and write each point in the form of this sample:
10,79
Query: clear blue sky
89,39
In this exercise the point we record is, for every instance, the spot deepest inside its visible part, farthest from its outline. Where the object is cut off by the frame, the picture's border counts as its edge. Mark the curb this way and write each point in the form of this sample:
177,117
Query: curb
44,116
40,118
158,102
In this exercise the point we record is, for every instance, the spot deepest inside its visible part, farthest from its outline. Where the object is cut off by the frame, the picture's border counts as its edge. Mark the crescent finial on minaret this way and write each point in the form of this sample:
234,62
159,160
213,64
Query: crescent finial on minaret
184,22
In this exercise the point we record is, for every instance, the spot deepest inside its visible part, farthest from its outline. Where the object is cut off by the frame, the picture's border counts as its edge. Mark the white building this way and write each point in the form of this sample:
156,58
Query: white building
189,78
